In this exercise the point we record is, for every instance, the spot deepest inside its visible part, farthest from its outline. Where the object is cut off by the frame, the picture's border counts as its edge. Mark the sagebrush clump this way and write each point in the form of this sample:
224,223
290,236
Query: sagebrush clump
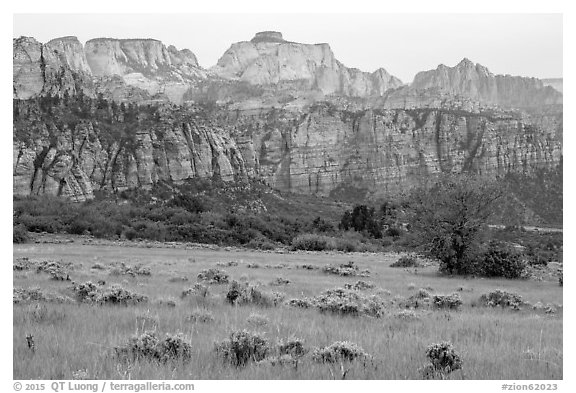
198,289
345,269
451,302
360,286
349,302
406,261
244,293
443,360
115,294
499,298
500,260
149,346
133,271
338,352
243,347
214,276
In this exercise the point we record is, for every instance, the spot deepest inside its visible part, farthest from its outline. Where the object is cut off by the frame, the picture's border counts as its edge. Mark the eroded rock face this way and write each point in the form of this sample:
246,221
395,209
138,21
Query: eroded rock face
145,64
56,68
315,152
70,53
75,162
108,56
478,83
391,138
268,59
396,149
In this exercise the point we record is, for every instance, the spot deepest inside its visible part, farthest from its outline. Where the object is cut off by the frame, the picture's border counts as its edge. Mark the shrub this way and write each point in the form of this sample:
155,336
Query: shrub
227,264
300,303
293,347
149,346
406,261
339,301
345,269
56,270
452,302
503,299
198,290
20,234
20,295
242,294
338,352
312,242
261,244
242,347
501,261
359,286
443,360
115,294
86,292
213,276
128,270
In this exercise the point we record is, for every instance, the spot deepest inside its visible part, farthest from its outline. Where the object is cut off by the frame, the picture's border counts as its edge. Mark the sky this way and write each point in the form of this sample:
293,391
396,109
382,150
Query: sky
403,44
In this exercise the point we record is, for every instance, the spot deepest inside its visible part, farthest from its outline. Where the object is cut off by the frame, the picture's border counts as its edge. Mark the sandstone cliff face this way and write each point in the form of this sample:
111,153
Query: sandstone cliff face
151,58
268,59
73,161
52,69
396,149
145,64
63,65
70,53
315,152
556,83
478,83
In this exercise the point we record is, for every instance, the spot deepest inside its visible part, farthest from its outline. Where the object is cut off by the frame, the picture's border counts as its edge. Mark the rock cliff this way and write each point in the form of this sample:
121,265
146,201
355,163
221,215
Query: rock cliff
269,59
293,116
315,152
71,154
55,68
478,83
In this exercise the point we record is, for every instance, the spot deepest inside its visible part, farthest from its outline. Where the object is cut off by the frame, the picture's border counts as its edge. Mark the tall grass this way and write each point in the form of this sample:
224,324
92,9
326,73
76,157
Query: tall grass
494,343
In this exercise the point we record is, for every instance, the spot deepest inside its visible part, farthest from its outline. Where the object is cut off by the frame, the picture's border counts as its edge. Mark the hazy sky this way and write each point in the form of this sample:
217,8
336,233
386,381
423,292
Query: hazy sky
517,44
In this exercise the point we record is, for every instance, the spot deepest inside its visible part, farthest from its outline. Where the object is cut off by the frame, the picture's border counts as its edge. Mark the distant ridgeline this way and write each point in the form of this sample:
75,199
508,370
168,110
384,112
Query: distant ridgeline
117,114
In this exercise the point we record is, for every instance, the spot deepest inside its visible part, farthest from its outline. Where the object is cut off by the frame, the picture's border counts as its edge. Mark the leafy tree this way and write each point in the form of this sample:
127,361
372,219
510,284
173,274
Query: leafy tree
449,217
361,219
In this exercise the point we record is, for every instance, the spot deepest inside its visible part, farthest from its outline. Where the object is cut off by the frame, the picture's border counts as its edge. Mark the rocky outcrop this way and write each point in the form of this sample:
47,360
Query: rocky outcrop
148,57
478,83
556,83
63,66
70,53
396,149
73,160
268,60
55,68
146,64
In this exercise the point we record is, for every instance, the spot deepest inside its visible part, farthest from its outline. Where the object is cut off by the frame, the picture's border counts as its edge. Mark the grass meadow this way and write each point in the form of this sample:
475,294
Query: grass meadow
494,343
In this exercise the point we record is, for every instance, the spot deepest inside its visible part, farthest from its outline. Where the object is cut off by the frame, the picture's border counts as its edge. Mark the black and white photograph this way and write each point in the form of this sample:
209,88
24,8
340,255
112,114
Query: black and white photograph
286,196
